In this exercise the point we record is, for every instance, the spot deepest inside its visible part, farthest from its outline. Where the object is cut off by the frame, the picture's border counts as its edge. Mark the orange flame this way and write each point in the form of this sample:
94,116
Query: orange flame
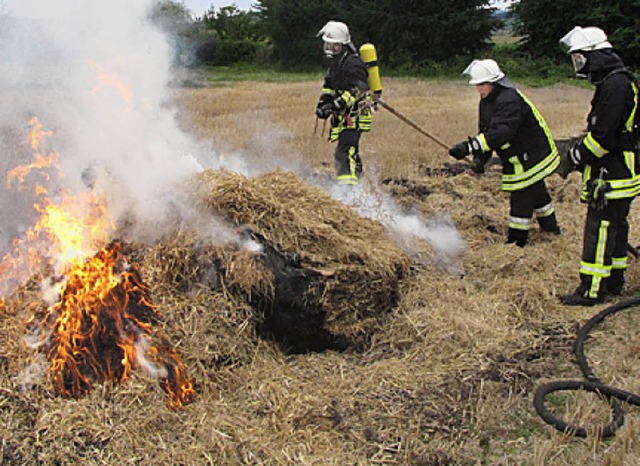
101,330
101,327
111,80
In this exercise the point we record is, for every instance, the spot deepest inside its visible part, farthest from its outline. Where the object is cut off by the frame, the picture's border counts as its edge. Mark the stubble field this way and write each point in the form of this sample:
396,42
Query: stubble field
444,373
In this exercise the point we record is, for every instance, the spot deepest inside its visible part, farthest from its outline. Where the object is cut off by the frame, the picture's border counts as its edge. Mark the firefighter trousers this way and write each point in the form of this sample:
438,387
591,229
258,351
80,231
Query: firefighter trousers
347,157
526,202
604,249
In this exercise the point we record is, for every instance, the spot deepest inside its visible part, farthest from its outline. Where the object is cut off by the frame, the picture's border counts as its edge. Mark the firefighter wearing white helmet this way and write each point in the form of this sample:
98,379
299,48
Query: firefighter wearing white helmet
512,126
607,156
344,88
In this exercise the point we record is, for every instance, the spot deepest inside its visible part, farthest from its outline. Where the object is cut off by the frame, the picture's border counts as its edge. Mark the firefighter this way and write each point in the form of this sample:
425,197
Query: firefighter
344,93
607,156
512,126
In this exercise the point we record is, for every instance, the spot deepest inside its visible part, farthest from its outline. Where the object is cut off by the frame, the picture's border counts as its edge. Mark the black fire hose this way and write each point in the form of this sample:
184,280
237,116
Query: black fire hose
592,384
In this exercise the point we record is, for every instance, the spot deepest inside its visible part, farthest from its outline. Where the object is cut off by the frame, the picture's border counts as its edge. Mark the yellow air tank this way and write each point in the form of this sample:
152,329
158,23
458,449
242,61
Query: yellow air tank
370,58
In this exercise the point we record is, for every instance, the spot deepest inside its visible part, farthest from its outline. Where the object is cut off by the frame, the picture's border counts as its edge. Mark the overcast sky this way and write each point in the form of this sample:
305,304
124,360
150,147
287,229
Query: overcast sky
198,7
29,8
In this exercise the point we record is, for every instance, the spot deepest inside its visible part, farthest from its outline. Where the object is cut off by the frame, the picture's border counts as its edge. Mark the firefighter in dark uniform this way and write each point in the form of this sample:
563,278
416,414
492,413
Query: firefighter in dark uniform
343,93
512,126
607,156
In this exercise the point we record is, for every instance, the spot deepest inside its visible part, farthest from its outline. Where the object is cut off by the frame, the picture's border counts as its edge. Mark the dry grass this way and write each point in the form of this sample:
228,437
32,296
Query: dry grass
445,376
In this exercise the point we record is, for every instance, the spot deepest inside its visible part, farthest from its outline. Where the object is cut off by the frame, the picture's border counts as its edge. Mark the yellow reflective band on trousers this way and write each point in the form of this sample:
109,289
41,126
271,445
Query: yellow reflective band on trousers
598,270
522,178
347,179
352,162
544,211
519,223
619,263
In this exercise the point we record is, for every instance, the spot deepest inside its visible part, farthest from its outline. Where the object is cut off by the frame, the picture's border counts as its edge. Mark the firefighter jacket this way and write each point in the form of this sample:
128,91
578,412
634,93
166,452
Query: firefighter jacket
609,149
346,80
511,126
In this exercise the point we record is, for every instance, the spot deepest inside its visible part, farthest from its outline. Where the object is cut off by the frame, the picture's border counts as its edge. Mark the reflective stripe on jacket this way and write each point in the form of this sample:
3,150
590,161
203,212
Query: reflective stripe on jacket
513,127
346,79
609,148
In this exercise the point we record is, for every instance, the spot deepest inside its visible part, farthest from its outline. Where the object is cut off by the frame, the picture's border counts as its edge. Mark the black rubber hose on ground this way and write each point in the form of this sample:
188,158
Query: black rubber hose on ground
592,384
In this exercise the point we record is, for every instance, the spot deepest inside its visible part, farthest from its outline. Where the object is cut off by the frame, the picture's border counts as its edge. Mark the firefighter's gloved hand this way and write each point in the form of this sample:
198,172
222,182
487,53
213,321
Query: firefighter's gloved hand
570,161
575,156
565,167
459,151
376,96
479,161
596,193
324,111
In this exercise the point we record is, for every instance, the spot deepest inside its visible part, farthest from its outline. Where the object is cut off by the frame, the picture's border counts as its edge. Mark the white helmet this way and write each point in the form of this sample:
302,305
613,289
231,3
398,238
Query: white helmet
483,71
585,39
335,32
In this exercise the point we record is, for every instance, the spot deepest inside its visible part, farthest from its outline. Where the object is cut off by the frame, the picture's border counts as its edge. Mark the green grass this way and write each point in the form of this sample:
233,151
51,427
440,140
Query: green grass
255,72
521,68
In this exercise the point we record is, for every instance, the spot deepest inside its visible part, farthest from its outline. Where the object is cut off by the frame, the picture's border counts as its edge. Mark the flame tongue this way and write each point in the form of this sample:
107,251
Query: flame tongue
101,330
102,326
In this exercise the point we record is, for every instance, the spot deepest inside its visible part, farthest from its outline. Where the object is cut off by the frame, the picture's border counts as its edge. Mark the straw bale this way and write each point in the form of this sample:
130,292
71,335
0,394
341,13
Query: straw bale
360,267
204,291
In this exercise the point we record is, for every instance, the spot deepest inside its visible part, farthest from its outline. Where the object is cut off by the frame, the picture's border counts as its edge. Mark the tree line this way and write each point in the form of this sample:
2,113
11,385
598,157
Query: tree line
408,34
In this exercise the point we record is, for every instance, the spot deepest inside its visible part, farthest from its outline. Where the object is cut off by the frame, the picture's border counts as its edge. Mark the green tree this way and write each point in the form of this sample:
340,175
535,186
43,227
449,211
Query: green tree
405,32
292,26
175,20
543,22
232,35
231,23
410,32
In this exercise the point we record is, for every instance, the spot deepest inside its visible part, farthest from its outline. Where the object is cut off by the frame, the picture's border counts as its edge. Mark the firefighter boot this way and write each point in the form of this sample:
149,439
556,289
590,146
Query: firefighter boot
613,284
517,236
549,224
581,297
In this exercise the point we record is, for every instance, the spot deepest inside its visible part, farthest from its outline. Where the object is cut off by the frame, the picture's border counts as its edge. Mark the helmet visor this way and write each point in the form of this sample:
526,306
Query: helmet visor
579,61
332,48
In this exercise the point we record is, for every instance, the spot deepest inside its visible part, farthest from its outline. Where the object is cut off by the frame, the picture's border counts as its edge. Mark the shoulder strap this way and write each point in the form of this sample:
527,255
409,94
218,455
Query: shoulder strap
634,79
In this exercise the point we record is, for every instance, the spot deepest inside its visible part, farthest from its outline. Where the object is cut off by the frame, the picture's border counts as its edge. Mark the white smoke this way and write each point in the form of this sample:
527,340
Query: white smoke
439,231
34,374
96,74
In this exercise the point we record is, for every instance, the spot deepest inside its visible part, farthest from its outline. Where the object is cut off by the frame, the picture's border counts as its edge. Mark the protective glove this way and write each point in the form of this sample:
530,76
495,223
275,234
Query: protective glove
479,161
324,111
459,151
574,155
596,190
565,167
569,161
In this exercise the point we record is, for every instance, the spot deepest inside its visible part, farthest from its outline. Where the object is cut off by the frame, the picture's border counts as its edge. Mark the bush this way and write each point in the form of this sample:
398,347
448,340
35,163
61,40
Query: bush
228,52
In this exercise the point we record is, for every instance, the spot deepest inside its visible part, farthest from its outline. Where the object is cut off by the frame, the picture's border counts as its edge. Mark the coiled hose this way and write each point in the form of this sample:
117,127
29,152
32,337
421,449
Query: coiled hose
591,384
